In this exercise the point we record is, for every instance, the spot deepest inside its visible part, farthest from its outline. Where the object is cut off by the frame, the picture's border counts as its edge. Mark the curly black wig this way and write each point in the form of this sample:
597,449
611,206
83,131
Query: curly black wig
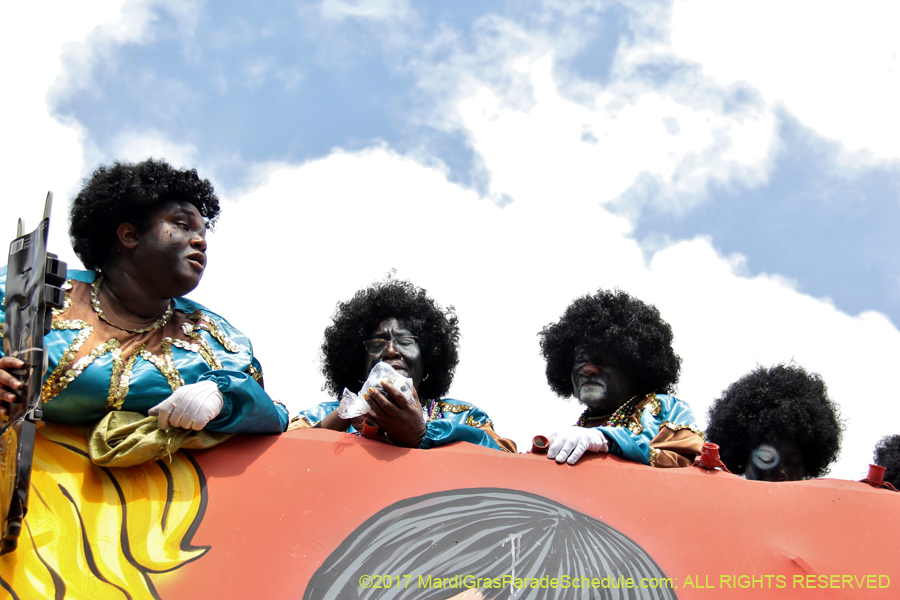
887,455
782,402
343,353
129,193
612,322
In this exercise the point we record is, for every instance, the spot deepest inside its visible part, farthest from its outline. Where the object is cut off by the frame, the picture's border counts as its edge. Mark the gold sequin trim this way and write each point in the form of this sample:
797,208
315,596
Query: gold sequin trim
166,364
2,327
654,405
67,304
115,351
635,428
73,325
204,322
454,408
679,427
471,422
118,391
200,346
61,375
653,454
651,403
255,373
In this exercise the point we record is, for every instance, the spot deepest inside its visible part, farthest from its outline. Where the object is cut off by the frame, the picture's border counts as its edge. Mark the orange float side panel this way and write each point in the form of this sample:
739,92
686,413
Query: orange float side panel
310,512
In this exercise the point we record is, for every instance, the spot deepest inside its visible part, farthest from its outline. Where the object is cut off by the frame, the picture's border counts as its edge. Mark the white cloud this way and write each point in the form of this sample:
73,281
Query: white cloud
133,146
376,10
116,23
640,141
596,153
835,66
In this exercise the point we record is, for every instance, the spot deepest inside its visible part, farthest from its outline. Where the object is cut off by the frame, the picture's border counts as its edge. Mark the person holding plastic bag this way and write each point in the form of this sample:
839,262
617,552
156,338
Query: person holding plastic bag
126,339
389,357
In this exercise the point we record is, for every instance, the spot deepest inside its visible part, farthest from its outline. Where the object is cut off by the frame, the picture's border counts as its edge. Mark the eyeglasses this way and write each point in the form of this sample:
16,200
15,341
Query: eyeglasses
378,347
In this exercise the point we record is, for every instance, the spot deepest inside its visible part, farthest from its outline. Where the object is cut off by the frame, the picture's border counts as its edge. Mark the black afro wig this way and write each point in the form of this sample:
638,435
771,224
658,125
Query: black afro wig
782,402
612,322
129,193
344,356
887,455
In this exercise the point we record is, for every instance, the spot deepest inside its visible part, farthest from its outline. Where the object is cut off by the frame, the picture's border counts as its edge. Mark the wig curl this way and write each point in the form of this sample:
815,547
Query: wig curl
615,323
887,455
343,353
783,402
130,193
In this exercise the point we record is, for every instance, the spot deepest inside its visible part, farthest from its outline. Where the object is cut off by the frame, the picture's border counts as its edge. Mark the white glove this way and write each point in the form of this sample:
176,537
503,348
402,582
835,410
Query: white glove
190,406
574,441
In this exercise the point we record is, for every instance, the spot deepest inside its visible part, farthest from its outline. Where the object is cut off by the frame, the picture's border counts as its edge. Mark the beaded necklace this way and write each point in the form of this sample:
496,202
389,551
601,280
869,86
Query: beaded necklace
95,303
433,410
619,418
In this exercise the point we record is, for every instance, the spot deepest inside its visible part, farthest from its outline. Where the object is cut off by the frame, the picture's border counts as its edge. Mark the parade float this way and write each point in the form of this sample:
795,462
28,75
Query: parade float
303,514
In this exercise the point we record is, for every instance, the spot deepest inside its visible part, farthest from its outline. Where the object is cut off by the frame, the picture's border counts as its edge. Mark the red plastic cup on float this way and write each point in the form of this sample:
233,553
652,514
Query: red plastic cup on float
876,475
369,430
539,444
709,456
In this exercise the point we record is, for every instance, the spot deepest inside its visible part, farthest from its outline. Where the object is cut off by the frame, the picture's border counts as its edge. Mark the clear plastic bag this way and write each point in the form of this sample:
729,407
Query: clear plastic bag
354,405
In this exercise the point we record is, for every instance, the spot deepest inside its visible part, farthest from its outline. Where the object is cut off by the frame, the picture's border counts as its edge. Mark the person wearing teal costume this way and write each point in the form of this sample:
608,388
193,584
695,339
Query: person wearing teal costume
614,354
126,339
397,323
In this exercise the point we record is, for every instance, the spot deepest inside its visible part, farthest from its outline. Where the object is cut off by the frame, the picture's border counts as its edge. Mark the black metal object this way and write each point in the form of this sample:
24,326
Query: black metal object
33,290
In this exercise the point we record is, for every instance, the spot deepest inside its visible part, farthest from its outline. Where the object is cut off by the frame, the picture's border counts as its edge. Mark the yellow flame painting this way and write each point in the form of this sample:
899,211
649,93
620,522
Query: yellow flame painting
93,533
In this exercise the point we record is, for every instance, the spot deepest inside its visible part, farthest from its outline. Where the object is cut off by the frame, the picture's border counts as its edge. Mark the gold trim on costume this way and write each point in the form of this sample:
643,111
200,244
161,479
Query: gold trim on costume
200,346
204,322
62,376
651,403
166,364
119,391
471,422
253,372
653,454
679,427
454,408
73,325
654,405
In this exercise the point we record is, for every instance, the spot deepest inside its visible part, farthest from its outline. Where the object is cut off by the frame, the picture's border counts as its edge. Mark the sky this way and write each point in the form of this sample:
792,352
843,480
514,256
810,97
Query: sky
736,164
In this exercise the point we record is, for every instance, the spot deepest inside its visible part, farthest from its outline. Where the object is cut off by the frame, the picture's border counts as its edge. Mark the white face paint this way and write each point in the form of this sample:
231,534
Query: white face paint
599,382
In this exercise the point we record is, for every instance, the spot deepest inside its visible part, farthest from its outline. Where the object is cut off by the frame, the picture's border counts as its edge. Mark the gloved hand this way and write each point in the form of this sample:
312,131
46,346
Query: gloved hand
190,406
574,441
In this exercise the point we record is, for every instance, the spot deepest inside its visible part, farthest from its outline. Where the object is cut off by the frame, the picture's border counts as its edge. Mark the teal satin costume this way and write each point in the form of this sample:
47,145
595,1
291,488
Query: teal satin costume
660,427
95,367
455,422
